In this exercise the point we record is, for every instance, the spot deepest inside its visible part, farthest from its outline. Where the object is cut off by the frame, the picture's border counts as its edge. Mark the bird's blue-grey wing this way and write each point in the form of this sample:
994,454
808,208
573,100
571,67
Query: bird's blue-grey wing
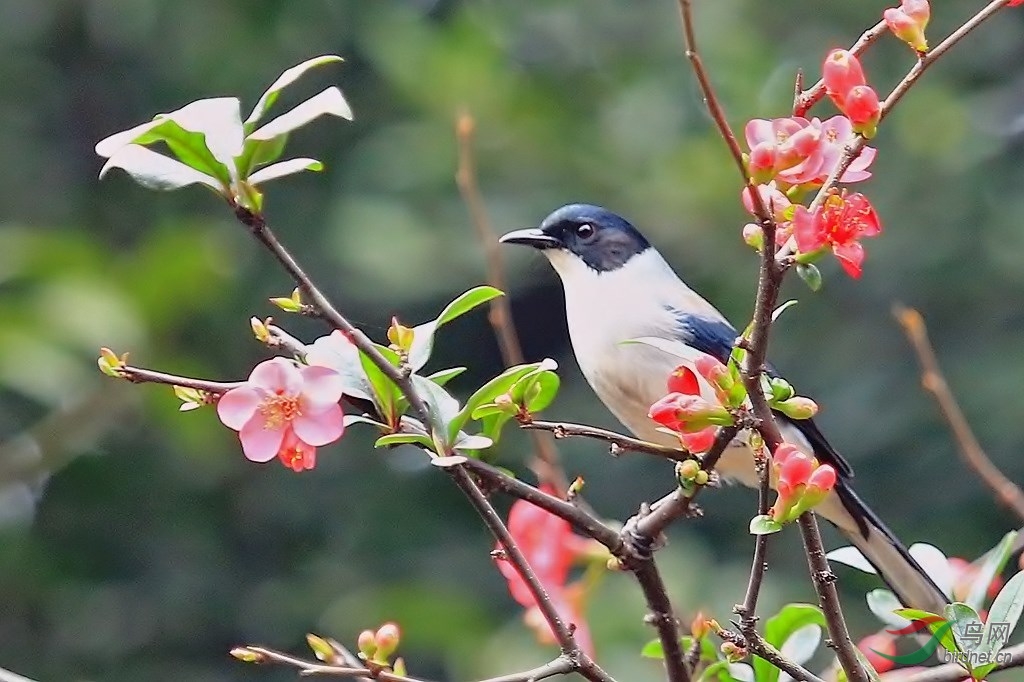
715,337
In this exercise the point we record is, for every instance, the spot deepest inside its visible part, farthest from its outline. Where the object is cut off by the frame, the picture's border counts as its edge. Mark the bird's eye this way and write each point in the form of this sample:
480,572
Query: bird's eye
585,231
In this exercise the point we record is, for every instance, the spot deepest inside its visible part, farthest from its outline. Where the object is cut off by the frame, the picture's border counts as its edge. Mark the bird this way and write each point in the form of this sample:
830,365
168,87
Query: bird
618,288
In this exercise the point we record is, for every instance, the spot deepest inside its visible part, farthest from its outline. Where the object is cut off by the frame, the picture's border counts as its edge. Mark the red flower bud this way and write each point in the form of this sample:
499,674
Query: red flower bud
863,109
840,72
683,380
823,479
762,162
908,22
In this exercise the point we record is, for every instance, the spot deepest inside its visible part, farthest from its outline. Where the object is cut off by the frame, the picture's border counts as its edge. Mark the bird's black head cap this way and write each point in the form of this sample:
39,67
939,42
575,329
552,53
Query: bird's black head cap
603,240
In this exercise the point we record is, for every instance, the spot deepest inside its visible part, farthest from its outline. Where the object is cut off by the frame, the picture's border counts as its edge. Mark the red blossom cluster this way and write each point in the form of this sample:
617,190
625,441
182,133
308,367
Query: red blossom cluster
802,482
791,156
691,414
551,548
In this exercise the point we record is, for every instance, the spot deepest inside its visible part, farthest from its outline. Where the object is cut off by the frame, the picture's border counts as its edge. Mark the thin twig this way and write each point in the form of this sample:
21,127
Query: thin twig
764,216
307,667
747,611
546,462
828,598
1006,491
757,645
560,666
619,442
641,534
139,375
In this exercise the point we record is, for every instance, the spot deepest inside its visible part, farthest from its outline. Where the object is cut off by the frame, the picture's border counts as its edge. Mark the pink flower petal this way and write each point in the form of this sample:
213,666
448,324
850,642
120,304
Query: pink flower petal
259,443
320,428
237,406
807,230
322,386
850,256
278,376
759,130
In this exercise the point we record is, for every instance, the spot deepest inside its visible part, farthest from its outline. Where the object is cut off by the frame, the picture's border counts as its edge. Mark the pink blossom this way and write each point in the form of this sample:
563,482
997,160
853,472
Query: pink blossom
804,151
284,411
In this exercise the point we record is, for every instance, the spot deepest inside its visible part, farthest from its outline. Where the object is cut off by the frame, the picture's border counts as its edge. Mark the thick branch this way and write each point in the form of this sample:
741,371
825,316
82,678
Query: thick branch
1006,491
619,442
828,598
581,520
756,644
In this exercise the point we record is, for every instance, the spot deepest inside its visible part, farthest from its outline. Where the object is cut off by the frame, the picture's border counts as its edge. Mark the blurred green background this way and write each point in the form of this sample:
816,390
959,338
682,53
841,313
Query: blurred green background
136,543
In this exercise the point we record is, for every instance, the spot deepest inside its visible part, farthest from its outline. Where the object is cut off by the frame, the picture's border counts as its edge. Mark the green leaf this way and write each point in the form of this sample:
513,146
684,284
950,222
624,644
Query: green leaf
386,394
467,301
330,101
284,80
961,616
654,649
156,171
443,407
941,628
764,525
780,628
256,153
536,390
280,170
982,671
350,419
423,335
487,393
404,438
992,564
1006,609
810,274
189,147
492,408
443,376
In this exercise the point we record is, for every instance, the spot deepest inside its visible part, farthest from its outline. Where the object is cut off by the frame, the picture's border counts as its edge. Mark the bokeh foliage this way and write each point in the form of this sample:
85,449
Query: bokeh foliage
136,543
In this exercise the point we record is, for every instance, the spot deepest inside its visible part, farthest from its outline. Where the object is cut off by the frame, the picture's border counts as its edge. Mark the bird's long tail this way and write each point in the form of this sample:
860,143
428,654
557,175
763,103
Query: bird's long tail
879,545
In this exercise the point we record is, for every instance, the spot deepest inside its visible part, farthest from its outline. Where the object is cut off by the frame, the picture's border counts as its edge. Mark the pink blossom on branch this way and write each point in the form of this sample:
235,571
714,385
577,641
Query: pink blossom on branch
802,152
284,411
838,224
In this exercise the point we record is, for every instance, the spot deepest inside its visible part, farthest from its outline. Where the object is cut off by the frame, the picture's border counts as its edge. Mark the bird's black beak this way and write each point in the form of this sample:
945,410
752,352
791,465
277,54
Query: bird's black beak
531,237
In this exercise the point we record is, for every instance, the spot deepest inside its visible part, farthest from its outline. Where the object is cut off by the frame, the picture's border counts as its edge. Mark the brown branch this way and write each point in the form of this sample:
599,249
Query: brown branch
756,644
677,504
619,442
581,520
971,451
764,216
747,611
560,666
828,598
546,462
139,375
